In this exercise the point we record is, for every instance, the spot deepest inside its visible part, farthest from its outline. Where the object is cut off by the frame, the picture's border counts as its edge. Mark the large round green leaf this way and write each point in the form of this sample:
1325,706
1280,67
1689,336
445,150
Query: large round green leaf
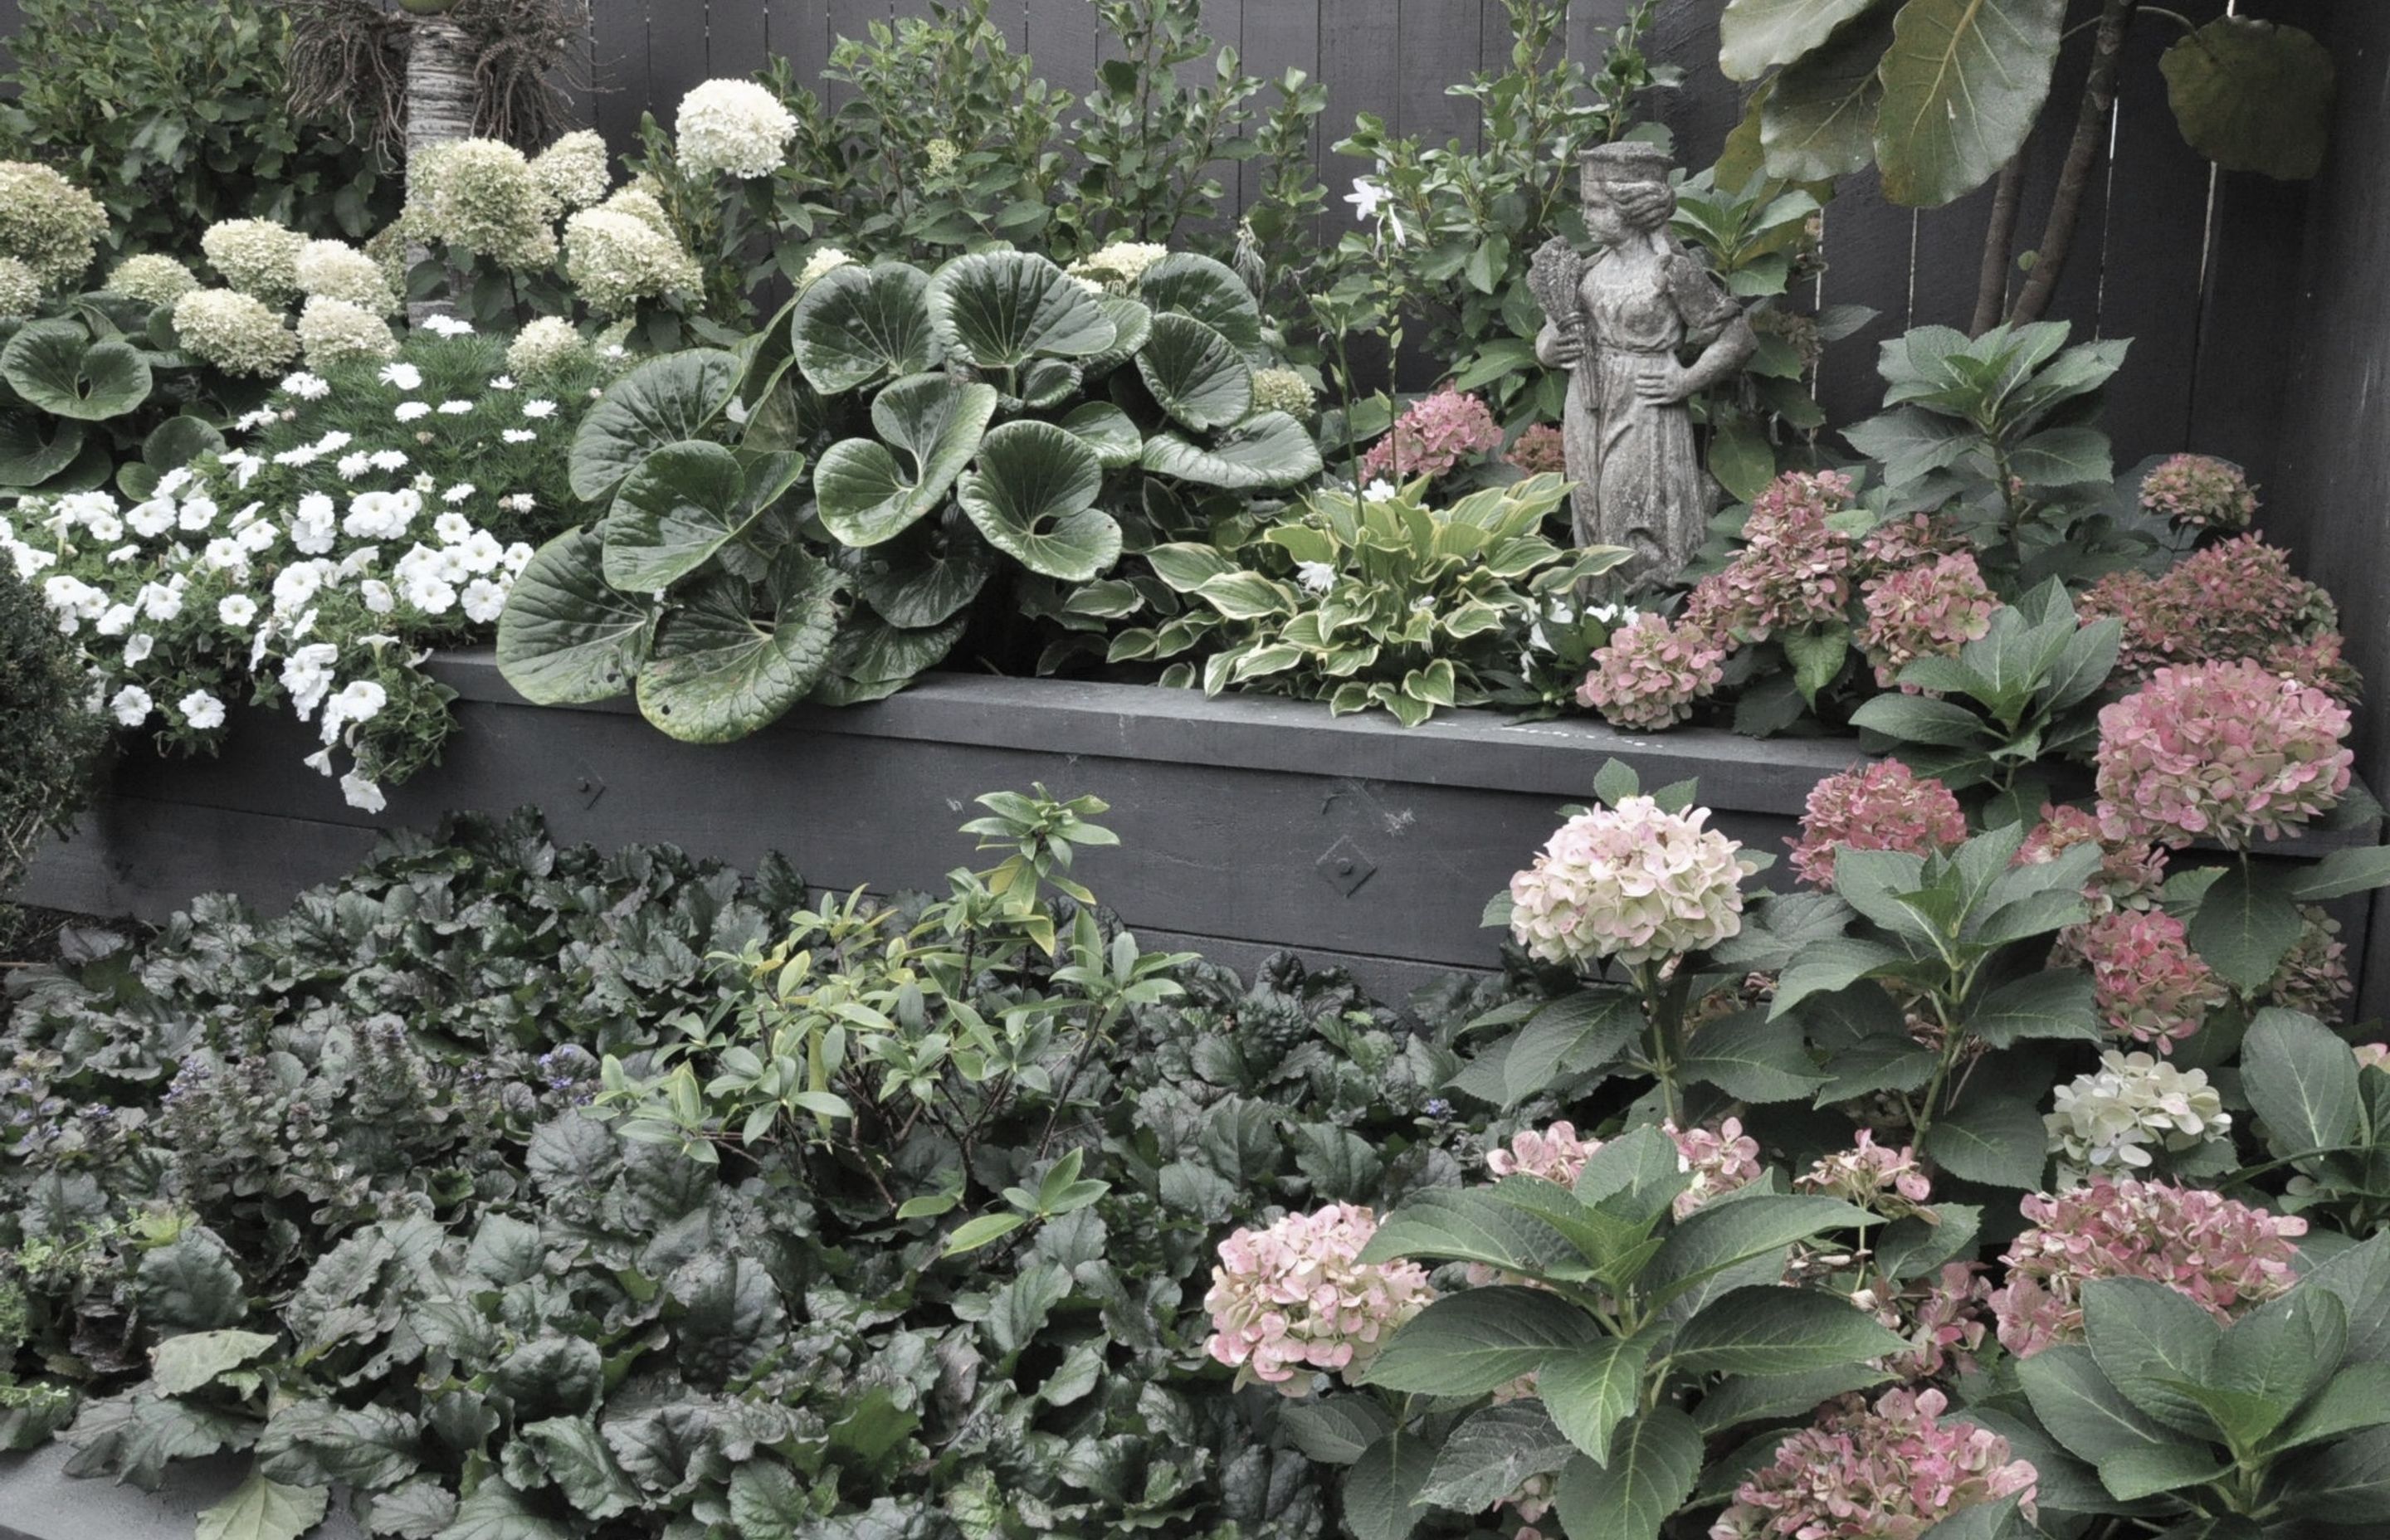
865,494
997,310
1208,290
1818,118
718,673
1756,35
566,635
1269,449
179,441
681,504
926,578
854,325
1963,81
1049,382
35,446
1108,432
55,366
873,660
2250,95
1032,495
663,401
1197,374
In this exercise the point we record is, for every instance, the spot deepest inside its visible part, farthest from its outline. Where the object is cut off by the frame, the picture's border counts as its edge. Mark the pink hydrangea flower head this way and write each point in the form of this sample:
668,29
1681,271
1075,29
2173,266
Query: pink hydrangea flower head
2313,976
1887,1472
1871,1176
1945,1319
2237,599
1897,544
2224,752
2373,1055
1880,806
1925,611
2318,661
1648,675
2130,870
1436,434
1719,1159
1555,1154
1539,451
1292,1299
1631,882
1793,572
2202,492
2149,984
2226,1256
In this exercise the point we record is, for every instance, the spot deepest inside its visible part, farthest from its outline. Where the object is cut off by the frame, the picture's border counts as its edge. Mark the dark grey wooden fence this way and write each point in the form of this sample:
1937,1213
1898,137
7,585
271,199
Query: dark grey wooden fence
2191,266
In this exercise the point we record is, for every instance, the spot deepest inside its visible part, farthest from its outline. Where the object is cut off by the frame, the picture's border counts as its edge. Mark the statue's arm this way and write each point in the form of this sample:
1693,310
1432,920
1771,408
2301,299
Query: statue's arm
1556,349
1725,356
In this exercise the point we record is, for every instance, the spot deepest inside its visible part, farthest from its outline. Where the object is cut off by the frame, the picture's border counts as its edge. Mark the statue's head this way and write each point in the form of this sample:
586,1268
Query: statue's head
1625,190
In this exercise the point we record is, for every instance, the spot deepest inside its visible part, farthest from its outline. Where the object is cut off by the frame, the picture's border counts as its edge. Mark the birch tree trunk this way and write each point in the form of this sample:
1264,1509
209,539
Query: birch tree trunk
439,110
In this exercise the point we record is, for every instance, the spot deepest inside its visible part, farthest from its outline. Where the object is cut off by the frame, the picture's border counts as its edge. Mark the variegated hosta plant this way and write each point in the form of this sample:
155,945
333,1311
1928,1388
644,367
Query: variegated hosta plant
999,407
1370,602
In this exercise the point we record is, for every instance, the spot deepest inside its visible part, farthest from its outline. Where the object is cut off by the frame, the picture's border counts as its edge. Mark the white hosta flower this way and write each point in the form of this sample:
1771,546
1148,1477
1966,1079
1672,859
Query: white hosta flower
2107,1119
362,794
202,711
131,705
1317,576
235,609
1379,491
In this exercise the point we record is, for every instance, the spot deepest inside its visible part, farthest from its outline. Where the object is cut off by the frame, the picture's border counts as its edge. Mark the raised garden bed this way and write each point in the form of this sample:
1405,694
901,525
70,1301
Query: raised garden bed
1248,823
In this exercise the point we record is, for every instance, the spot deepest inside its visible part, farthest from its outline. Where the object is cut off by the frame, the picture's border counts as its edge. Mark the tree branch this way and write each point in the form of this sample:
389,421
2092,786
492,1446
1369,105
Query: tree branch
1999,242
2074,180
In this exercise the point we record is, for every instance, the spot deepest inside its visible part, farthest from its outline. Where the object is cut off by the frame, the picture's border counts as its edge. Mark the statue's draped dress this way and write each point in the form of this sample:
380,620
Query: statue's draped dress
1647,490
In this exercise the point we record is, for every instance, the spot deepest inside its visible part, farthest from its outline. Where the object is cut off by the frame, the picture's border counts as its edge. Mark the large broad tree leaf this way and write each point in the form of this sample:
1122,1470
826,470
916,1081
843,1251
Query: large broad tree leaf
2250,95
718,673
1270,449
663,400
567,637
56,366
1820,119
1186,283
35,446
683,504
997,310
1654,1460
865,495
1032,496
1963,82
1756,35
261,1509
854,325
1197,374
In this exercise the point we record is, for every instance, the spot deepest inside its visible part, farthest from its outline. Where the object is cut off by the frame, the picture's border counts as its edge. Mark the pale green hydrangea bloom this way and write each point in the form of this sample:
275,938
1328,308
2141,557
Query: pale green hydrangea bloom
153,278
335,270
479,196
47,223
1283,391
233,331
336,332
615,260
546,346
20,290
257,257
829,260
734,127
1117,267
573,170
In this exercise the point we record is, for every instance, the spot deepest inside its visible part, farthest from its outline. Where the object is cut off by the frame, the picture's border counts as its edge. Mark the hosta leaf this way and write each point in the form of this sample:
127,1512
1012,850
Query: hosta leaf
1963,82
854,325
261,1509
567,635
719,673
55,366
663,401
1270,449
1197,374
1186,283
1032,496
1480,1339
865,495
2252,96
675,509
1654,1460
997,310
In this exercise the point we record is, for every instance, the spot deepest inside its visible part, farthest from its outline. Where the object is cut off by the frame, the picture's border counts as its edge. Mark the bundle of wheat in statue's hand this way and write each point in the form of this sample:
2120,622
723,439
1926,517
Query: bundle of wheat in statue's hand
1619,321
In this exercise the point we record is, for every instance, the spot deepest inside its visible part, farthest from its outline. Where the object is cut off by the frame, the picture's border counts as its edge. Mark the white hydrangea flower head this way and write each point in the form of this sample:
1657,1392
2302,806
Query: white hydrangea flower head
1632,882
152,278
573,170
829,259
479,196
1284,390
335,331
21,288
548,345
1117,267
734,128
257,257
233,331
2107,1120
47,223
335,270
616,259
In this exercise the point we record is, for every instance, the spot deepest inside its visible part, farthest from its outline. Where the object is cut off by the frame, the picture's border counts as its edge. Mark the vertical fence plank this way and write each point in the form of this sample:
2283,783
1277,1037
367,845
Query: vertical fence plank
1685,33
2076,299
1280,35
1590,23
1437,44
735,45
1361,61
801,30
677,41
619,66
849,18
1949,255
1867,246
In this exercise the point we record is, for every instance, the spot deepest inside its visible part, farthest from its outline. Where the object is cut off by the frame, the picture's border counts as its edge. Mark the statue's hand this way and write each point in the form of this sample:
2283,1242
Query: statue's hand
1663,385
1567,350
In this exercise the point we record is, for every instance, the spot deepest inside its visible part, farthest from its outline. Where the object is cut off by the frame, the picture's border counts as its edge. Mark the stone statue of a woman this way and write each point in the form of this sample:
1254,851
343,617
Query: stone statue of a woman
1621,323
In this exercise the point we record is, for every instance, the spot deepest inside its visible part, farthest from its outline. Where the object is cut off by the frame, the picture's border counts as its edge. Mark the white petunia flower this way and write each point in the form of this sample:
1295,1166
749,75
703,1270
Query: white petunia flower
122,555
484,600
235,609
294,586
138,647
195,515
454,529
201,710
151,519
131,705
377,595
362,794
116,620
461,492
